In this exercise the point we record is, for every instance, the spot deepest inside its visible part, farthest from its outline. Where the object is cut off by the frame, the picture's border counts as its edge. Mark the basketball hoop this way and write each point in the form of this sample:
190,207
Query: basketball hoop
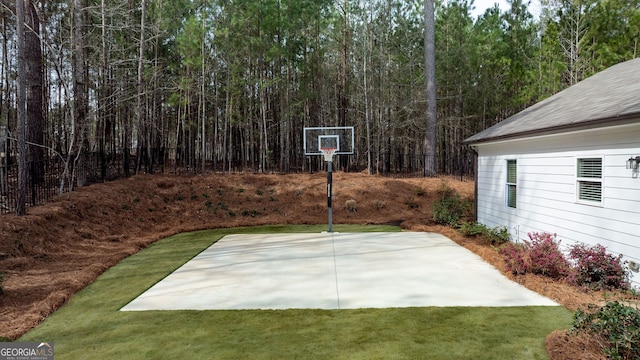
328,153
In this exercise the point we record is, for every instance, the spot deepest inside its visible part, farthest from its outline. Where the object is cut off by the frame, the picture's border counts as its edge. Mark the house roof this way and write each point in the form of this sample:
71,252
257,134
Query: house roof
610,97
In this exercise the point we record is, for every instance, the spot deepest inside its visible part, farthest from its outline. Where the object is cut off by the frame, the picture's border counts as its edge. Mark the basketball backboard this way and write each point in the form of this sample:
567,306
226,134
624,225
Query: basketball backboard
340,138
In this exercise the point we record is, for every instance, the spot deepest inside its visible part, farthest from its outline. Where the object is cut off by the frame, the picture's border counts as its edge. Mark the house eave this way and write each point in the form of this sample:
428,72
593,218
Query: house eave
622,120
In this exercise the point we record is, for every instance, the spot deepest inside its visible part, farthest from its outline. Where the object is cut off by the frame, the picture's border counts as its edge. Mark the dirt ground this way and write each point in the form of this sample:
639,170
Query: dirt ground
59,248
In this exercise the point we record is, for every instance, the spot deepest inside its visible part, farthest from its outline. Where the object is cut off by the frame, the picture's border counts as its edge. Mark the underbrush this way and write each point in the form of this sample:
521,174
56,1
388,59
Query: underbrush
616,324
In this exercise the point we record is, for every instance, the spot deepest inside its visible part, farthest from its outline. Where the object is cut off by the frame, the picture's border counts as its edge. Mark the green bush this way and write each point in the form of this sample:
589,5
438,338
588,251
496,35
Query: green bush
473,229
452,210
617,324
498,235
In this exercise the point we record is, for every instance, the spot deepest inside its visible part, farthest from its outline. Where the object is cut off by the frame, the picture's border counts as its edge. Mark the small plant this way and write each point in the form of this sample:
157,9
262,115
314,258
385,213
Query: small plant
498,235
420,192
1,281
205,195
445,191
240,191
259,192
231,213
222,206
194,196
351,205
596,269
179,197
125,207
252,213
617,324
219,191
411,204
379,204
473,229
208,204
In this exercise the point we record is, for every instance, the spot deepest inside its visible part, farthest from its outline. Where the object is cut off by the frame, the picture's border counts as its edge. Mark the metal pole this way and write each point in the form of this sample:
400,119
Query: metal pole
329,184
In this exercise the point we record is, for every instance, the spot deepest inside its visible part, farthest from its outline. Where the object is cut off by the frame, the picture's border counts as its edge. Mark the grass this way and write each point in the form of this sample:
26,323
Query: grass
91,325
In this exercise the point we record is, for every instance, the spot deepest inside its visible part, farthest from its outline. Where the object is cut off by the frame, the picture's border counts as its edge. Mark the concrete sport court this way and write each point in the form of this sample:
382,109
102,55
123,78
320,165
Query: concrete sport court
334,271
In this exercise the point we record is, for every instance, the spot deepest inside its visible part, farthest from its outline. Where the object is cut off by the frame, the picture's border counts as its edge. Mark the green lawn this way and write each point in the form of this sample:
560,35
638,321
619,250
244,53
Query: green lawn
91,327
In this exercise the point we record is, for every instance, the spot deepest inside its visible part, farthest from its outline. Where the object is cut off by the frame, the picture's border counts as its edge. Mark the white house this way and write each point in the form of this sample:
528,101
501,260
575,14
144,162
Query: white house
569,165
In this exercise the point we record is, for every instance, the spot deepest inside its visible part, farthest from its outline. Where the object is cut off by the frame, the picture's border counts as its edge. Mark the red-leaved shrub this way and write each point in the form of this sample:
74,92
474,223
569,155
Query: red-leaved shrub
589,267
515,258
541,255
595,269
546,257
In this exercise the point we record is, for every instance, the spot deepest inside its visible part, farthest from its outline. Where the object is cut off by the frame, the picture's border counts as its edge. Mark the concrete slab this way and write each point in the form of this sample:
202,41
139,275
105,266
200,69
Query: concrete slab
334,271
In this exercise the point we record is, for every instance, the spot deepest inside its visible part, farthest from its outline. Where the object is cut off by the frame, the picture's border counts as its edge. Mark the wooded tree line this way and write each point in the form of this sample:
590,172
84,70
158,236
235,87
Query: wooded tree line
230,84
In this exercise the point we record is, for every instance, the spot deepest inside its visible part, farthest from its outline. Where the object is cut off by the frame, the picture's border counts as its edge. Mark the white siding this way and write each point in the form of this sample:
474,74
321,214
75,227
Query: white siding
546,189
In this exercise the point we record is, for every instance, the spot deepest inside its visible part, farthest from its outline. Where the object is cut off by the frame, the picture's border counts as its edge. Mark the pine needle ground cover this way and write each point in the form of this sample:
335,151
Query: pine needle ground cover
91,325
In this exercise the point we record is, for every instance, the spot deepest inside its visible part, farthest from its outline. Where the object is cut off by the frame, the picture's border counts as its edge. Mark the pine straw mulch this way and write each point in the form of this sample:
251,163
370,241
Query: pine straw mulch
61,247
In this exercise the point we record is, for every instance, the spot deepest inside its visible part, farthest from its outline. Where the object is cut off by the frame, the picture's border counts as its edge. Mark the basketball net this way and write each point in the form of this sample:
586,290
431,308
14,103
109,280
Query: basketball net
328,153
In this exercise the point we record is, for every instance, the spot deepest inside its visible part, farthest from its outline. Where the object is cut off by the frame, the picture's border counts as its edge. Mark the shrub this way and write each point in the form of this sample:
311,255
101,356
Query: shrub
445,191
411,204
498,235
515,257
595,269
617,324
351,205
472,229
451,210
546,257
541,255
379,204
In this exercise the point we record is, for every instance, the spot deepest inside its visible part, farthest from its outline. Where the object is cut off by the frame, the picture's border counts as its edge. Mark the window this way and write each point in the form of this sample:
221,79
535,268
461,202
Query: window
589,181
511,183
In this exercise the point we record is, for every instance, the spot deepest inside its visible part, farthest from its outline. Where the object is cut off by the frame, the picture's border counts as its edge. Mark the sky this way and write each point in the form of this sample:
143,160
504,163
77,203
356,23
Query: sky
482,5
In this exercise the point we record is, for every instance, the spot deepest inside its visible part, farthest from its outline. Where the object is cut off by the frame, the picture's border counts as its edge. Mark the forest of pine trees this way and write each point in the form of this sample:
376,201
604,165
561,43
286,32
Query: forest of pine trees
230,84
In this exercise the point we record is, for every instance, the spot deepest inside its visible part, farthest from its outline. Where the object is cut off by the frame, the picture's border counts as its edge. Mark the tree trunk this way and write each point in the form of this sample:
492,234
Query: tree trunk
22,116
33,59
80,93
142,128
430,80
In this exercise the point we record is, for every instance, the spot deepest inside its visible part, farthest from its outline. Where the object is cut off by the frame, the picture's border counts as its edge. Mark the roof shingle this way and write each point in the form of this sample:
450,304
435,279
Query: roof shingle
610,95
